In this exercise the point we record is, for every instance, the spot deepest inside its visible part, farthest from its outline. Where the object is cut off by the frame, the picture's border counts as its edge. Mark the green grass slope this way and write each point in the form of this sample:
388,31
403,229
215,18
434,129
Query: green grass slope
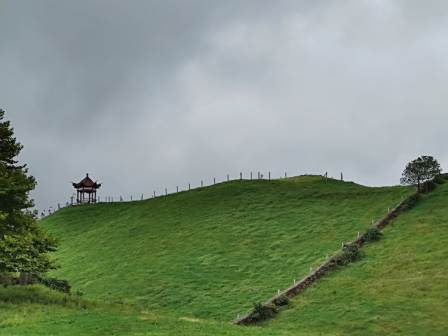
400,287
211,252
37,311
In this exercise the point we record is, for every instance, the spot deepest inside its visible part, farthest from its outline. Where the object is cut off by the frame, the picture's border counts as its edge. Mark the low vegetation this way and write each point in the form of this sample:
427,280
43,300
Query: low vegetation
372,234
349,254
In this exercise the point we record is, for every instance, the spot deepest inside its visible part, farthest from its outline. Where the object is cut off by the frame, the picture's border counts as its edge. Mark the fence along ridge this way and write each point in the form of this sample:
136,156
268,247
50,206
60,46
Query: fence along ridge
154,194
189,187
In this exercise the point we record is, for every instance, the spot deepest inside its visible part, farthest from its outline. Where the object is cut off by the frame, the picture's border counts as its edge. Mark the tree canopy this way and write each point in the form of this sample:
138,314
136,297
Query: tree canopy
420,170
23,244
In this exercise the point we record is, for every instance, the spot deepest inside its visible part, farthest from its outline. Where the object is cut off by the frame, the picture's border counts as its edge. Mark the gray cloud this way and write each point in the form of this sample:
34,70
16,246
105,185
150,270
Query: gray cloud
149,94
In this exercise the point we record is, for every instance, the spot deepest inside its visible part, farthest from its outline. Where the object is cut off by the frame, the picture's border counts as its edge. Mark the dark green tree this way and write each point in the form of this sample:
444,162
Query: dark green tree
420,170
24,246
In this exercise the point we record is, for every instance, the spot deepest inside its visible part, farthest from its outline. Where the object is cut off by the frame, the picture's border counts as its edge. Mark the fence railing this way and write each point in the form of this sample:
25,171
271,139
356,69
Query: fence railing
248,176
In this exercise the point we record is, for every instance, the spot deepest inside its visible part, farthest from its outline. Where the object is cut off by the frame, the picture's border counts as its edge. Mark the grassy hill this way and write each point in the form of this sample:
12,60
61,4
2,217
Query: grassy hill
400,287
210,253
37,311
184,264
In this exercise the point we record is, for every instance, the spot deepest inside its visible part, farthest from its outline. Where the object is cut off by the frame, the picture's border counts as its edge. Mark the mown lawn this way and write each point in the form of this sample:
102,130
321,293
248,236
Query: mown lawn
212,252
400,287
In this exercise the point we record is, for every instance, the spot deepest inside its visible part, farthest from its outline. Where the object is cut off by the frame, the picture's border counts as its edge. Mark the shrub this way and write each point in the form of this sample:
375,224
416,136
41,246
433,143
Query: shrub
350,253
428,186
411,201
6,279
439,179
282,300
372,234
56,284
263,312
79,293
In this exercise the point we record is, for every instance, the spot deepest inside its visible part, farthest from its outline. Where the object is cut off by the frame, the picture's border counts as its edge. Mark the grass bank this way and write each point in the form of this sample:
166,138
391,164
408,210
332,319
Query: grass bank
210,253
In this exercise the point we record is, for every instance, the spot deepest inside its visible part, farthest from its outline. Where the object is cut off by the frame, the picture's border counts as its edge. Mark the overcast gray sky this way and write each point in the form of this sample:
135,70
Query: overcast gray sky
145,95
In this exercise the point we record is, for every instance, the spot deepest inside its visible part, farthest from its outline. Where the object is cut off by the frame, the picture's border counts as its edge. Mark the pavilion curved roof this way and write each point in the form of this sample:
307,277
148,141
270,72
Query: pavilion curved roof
87,182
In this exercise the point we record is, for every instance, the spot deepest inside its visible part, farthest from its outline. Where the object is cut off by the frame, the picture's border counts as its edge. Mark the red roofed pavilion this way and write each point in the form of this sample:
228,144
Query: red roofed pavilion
86,190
